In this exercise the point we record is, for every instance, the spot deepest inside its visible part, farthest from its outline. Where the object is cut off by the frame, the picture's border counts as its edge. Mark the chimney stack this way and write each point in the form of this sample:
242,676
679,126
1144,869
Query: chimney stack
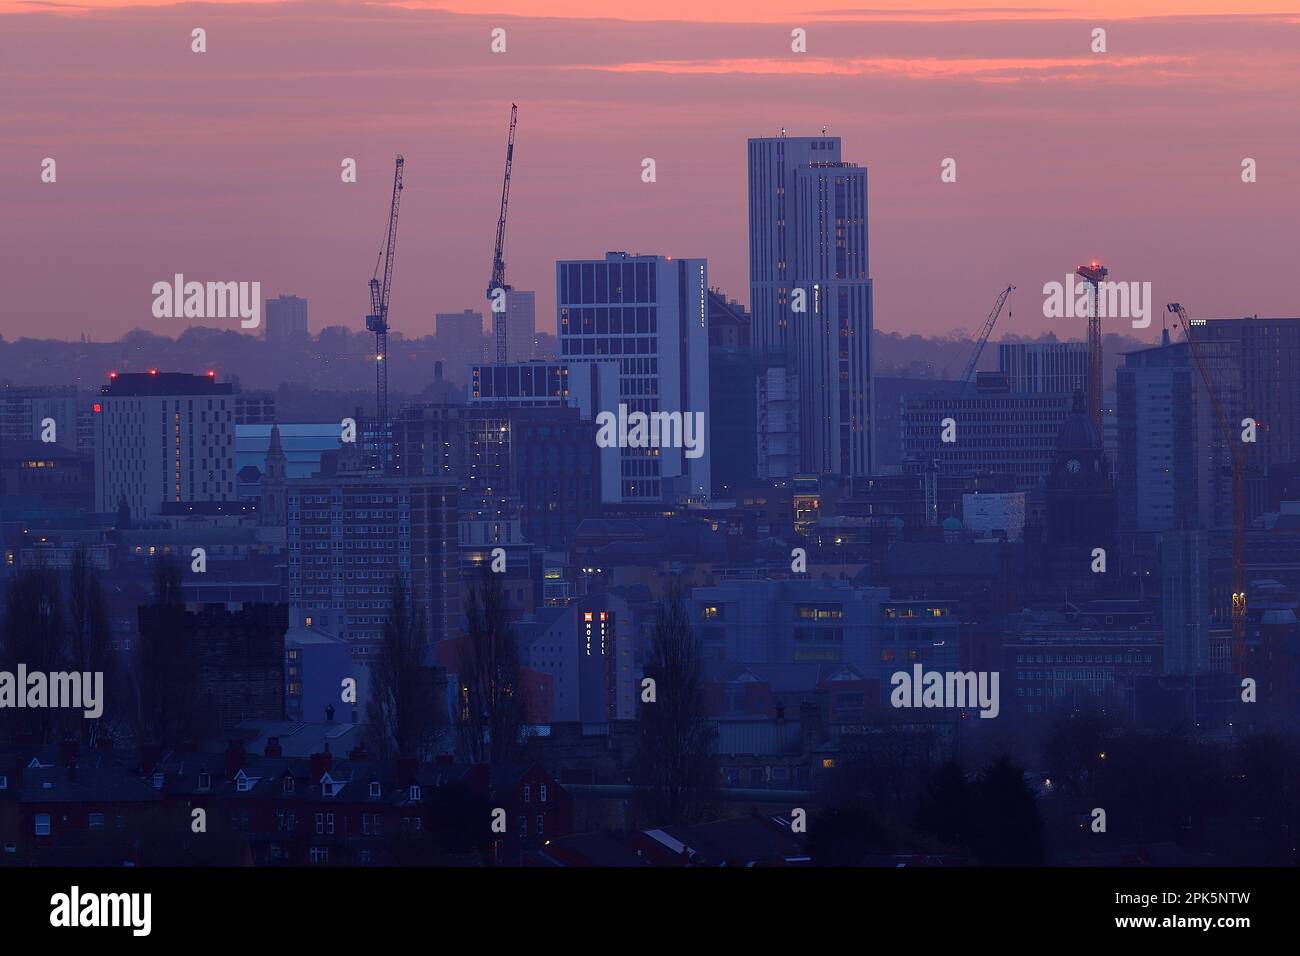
234,757
320,764
406,771
273,748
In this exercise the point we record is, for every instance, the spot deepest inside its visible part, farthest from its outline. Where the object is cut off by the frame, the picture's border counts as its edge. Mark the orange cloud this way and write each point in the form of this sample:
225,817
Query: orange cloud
990,69
792,12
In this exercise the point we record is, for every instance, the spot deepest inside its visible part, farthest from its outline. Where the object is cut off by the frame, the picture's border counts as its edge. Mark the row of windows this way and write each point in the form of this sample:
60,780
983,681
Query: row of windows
592,282
819,634
588,346
638,321
348,500
338,559
1083,658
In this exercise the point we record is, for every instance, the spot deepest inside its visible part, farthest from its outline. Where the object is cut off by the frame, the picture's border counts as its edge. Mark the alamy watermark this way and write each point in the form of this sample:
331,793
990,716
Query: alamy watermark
78,690
651,430
955,689
179,299
1115,300
77,909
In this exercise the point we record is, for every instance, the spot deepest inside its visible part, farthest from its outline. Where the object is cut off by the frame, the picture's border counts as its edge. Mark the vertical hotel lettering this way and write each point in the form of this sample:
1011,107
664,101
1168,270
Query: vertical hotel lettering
588,618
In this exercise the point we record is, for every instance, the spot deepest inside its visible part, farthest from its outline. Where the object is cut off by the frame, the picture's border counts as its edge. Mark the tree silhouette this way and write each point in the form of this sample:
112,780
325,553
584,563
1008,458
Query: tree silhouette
677,763
34,636
947,811
168,679
1008,829
490,705
401,708
89,633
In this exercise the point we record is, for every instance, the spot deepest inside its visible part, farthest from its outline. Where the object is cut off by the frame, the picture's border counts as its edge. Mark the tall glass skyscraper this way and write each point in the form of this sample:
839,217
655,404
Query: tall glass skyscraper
810,294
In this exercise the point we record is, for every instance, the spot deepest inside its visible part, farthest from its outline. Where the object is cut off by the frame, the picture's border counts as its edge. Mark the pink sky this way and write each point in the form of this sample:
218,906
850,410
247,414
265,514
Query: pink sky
225,165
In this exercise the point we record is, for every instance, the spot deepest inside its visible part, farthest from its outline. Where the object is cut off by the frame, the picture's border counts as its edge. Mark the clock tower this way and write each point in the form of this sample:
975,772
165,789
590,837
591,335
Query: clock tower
1081,500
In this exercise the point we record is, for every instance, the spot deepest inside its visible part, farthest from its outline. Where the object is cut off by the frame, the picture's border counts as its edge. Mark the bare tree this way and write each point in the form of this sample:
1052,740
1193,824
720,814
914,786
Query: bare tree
489,700
89,634
677,761
168,681
401,708
34,636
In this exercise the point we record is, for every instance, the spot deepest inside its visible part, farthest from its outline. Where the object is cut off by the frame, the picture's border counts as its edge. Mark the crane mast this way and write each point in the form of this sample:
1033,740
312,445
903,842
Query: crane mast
498,280
377,320
1094,274
1237,451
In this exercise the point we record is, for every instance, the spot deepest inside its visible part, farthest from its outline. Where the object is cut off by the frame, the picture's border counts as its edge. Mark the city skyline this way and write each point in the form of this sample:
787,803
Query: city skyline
726,525
1062,154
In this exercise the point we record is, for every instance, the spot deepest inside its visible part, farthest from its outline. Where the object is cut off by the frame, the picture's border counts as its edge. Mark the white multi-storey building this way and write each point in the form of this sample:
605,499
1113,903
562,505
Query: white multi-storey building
650,315
164,437
811,292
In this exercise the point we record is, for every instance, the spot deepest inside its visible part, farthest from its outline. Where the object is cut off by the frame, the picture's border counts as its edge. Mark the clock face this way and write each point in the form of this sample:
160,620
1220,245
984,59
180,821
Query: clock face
1072,466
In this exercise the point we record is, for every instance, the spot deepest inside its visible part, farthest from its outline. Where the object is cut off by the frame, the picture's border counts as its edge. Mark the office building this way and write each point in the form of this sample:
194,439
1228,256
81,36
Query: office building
61,413
650,315
1259,369
1060,368
586,388
589,387
1174,468
803,621
255,408
997,432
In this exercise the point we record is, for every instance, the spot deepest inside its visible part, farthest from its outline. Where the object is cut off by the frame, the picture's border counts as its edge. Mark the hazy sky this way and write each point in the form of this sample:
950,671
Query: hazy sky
225,165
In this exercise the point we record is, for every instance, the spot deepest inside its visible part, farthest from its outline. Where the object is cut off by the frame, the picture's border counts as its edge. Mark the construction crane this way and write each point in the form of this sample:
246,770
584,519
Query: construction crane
1237,451
1094,274
377,320
984,337
498,280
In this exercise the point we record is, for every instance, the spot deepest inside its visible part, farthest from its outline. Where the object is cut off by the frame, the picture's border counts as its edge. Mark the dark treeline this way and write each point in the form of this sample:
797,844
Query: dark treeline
57,621
340,359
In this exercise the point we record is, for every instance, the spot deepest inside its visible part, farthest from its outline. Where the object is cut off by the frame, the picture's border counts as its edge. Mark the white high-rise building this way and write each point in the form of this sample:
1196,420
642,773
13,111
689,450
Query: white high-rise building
650,315
811,292
164,437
